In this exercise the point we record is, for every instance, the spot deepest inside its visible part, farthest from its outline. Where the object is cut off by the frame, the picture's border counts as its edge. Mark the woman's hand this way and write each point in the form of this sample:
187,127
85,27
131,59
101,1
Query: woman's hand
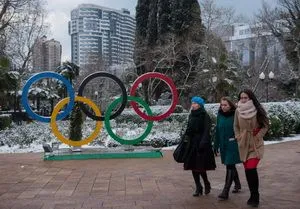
216,151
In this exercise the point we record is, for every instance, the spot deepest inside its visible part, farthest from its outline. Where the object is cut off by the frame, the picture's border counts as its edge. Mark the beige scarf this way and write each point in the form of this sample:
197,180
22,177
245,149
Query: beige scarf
247,110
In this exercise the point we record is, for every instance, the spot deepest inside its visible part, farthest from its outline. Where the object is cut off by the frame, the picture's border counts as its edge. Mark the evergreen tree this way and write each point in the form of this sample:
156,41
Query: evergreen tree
142,14
152,24
76,121
186,19
164,17
163,24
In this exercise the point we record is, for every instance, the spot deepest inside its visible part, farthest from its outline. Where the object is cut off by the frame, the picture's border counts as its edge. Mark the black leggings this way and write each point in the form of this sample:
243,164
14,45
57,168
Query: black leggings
231,167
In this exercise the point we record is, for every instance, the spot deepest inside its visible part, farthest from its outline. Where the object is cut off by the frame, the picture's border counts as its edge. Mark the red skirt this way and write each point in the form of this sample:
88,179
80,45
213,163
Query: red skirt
251,163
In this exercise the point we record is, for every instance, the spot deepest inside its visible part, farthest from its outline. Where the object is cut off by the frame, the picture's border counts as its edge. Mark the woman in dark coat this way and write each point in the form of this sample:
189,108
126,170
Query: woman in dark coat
228,145
200,156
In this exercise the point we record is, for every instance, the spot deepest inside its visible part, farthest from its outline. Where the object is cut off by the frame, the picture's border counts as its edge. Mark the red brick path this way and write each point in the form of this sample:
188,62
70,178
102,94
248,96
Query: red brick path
27,182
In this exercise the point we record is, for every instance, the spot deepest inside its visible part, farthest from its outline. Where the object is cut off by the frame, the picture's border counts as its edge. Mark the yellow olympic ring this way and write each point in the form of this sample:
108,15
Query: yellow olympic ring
63,139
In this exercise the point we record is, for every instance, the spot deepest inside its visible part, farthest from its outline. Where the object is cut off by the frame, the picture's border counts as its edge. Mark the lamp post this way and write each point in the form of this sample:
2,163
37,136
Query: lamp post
270,78
96,95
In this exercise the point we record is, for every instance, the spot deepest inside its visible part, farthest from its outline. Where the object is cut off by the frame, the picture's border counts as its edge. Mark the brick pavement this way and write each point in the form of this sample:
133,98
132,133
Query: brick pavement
27,182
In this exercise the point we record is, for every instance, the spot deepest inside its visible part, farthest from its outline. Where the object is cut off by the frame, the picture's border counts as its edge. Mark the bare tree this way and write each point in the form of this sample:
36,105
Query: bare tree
216,18
283,21
10,10
22,36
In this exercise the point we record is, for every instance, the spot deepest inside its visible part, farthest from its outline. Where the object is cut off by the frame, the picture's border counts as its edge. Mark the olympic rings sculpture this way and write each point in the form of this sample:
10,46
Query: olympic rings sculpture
70,101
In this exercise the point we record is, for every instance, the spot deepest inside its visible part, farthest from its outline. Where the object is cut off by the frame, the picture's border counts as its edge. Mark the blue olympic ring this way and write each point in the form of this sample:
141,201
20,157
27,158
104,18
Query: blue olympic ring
37,77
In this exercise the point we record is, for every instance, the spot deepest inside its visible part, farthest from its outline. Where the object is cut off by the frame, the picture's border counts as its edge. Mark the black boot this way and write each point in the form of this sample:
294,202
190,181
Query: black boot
207,186
253,183
237,183
228,182
199,188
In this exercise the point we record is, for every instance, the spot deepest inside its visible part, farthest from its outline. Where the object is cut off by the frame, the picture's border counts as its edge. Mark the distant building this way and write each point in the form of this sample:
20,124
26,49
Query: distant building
252,44
46,54
101,33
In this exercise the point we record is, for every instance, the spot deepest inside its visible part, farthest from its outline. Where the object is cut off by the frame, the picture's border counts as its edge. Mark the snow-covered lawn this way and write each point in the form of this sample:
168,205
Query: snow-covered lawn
30,137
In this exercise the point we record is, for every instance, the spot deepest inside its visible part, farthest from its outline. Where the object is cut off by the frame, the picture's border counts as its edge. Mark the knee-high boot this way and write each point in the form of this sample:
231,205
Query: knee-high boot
207,186
229,179
236,179
199,188
253,184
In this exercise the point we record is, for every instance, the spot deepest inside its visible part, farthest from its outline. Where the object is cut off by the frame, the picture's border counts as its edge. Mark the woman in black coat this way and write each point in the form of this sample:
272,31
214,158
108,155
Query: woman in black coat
200,156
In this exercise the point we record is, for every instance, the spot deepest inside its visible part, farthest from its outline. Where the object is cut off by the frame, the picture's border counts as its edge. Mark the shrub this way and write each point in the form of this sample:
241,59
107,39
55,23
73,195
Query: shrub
5,121
276,129
76,121
287,118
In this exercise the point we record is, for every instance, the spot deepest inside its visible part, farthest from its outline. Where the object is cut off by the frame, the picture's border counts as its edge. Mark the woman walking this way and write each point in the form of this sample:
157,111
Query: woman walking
228,146
200,156
250,126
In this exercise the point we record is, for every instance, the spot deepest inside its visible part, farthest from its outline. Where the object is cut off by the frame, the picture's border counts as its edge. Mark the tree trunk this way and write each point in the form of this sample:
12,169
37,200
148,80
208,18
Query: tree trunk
38,103
52,105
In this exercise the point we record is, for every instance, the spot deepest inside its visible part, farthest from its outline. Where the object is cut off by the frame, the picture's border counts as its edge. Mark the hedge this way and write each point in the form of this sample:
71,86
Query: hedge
284,121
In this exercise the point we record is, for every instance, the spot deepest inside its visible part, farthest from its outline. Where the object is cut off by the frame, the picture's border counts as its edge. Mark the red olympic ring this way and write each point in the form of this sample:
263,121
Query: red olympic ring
171,85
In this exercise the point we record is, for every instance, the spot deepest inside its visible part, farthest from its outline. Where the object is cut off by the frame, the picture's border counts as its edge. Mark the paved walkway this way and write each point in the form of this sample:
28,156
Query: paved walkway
28,182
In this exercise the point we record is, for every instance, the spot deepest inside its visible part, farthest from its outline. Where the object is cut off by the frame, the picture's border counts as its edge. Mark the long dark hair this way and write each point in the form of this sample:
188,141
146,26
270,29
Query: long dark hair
261,115
230,102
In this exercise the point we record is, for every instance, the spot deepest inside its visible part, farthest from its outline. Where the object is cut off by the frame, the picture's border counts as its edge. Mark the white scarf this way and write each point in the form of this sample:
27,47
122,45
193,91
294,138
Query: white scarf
247,110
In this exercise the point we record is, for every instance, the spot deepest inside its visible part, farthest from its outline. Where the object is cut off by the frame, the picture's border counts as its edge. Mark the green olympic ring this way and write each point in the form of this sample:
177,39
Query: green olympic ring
119,139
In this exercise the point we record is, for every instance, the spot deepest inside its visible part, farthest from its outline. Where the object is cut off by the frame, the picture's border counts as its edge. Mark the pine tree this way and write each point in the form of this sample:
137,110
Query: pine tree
76,121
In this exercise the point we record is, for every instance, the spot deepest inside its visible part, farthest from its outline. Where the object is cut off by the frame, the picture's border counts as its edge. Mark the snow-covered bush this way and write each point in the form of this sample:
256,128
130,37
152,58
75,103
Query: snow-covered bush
276,129
5,121
286,116
284,120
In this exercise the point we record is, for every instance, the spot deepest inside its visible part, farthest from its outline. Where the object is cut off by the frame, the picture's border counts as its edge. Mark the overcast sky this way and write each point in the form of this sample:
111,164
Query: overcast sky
59,14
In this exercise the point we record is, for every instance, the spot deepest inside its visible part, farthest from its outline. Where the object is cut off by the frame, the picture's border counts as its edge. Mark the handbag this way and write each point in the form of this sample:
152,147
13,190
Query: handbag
180,152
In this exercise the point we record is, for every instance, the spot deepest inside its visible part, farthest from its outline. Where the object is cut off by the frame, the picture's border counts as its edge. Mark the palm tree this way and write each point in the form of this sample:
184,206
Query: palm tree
9,80
69,70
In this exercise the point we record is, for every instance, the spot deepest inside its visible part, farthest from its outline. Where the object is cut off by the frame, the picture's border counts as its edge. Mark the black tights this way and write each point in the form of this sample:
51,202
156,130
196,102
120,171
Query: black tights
196,176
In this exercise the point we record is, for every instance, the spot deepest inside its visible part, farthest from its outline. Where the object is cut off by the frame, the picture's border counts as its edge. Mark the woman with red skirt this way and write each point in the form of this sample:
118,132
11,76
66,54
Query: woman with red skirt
250,126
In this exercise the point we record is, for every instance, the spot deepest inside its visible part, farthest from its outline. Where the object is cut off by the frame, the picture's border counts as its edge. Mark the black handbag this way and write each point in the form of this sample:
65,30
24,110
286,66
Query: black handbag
180,152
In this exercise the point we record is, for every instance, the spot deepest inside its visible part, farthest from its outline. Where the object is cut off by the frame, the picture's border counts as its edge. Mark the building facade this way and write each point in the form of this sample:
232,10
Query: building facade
101,33
46,54
253,44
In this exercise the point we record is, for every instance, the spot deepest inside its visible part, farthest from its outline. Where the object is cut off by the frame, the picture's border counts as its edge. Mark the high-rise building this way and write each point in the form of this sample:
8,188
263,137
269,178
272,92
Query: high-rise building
46,54
101,33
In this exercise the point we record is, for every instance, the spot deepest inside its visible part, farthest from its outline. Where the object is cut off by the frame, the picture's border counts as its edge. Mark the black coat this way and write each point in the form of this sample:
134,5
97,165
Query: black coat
200,156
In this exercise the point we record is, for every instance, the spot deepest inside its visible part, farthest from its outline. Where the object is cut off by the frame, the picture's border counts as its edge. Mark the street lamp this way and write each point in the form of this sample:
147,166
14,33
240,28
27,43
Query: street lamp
270,78
262,76
96,95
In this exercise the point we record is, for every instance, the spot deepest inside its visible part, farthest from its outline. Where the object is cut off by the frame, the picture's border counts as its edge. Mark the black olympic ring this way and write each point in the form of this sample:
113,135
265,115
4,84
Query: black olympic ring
106,75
